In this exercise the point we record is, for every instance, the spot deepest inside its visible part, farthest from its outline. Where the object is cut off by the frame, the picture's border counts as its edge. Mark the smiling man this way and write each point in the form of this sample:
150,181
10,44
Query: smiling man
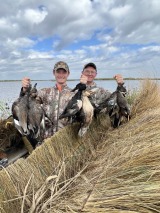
89,73
54,99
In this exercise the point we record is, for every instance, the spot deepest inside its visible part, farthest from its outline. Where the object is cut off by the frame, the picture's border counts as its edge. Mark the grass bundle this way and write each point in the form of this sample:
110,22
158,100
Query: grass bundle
27,176
125,175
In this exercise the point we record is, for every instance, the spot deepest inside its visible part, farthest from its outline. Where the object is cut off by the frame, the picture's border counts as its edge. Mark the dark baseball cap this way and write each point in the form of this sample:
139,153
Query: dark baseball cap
61,65
90,64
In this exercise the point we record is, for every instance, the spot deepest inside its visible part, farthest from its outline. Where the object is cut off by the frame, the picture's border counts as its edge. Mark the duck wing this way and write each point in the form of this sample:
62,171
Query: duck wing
107,105
123,104
20,114
35,117
71,109
73,106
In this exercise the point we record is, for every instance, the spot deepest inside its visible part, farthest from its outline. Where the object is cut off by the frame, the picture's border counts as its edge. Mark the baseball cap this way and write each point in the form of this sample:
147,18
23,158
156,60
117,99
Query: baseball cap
90,64
61,65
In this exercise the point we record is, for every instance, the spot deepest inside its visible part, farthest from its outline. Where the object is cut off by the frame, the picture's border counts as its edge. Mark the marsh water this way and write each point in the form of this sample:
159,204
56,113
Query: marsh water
10,90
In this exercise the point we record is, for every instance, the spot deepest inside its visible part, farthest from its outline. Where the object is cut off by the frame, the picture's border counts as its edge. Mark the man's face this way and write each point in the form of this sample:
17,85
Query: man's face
90,72
61,76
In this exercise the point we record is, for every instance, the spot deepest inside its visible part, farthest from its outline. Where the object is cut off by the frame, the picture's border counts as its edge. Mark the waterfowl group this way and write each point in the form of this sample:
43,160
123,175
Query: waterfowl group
28,113
29,116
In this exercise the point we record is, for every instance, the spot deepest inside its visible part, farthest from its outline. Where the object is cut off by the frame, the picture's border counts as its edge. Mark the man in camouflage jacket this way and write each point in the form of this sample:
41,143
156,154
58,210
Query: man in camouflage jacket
88,75
54,99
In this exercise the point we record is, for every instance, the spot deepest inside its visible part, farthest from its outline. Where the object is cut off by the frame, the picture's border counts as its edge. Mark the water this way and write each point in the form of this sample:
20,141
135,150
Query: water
10,90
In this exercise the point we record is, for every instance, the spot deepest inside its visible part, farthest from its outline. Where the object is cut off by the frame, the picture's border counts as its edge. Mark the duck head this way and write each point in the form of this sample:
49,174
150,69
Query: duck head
79,87
122,89
33,91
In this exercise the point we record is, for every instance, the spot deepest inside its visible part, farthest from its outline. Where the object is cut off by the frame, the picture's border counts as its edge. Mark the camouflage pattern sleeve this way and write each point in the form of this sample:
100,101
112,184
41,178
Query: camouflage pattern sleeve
99,94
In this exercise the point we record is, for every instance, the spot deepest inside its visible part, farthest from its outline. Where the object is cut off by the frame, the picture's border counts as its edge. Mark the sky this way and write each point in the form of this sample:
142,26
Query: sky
118,36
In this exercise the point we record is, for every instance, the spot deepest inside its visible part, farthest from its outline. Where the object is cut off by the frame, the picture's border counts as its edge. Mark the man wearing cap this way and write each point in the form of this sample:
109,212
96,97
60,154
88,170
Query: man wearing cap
54,99
89,73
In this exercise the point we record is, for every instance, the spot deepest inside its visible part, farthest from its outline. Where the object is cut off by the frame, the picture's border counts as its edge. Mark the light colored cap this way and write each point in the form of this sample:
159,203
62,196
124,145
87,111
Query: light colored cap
61,65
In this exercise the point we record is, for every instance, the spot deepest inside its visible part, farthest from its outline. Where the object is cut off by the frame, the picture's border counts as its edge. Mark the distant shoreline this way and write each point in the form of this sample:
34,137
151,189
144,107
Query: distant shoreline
102,79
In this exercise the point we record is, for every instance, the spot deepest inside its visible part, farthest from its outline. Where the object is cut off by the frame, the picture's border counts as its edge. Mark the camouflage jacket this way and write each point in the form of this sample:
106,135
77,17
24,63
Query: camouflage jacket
54,102
99,95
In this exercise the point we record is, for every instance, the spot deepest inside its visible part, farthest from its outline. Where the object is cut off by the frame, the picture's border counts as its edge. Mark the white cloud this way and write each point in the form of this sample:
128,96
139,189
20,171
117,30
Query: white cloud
39,55
35,16
20,42
120,12
126,33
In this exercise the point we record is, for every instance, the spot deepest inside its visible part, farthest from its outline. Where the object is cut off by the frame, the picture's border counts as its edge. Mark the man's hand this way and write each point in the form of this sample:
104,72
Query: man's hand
83,79
25,83
119,78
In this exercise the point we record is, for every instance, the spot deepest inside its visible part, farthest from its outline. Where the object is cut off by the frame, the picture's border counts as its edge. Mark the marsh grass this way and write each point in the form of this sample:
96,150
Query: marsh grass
131,96
109,170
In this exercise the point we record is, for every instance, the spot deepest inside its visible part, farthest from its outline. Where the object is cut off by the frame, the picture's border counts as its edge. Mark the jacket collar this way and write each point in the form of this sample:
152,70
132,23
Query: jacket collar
94,85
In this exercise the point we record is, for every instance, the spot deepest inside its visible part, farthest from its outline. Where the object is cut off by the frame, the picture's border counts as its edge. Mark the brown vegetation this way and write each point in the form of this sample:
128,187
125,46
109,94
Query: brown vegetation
8,134
106,171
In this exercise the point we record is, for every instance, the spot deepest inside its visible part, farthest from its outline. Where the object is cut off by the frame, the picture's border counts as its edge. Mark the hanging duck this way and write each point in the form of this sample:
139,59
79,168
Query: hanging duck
28,113
20,112
124,109
116,106
75,104
36,115
79,109
86,113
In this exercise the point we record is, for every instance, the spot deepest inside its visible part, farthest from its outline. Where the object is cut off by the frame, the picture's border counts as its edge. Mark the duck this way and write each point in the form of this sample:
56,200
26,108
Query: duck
79,109
74,105
116,106
86,113
20,109
124,109
36,114
28,114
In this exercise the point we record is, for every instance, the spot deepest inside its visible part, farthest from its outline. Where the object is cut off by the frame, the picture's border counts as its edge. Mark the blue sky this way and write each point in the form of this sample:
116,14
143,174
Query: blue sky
119,36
